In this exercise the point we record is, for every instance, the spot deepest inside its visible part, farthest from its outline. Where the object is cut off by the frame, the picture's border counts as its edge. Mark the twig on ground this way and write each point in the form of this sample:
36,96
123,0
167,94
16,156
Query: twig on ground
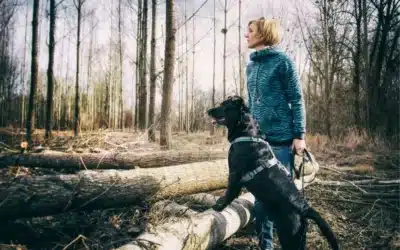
75,240
337,170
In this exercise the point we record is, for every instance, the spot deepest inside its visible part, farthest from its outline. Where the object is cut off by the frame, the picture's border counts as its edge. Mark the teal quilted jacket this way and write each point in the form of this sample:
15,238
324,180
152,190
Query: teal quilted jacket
275,96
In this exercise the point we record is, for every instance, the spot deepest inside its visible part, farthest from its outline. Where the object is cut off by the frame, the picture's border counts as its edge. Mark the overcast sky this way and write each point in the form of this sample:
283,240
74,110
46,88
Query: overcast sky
100,25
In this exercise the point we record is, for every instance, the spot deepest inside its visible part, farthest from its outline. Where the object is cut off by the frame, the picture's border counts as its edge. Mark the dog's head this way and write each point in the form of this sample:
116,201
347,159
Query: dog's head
230,112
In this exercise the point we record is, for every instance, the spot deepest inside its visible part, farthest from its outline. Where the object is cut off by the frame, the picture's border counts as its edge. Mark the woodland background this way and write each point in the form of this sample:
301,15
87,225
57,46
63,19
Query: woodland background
89,65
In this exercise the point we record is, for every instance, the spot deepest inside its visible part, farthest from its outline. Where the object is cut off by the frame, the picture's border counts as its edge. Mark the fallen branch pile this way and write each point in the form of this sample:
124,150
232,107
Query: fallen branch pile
362,191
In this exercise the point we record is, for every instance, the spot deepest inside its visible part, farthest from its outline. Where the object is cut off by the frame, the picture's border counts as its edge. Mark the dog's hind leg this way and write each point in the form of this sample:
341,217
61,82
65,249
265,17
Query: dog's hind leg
291,230
301,235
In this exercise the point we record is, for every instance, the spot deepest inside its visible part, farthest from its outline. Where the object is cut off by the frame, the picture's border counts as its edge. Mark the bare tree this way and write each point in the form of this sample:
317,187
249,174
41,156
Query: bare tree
23,71
214,54
90,106
121,58
241,80
143,74
192,118
357,60
50,74
138,62
366,56
79,6
153,77
34,71
180,88
224,31
169,64
187,120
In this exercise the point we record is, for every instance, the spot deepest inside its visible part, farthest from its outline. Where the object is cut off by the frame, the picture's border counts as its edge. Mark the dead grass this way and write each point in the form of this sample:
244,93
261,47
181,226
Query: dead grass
359,222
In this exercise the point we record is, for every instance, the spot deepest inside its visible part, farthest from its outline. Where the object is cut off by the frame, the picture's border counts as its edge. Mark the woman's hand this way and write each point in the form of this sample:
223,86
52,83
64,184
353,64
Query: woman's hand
299,145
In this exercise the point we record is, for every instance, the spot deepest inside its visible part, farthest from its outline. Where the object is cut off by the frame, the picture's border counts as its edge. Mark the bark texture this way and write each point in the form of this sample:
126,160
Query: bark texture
201,231
108,160
28,196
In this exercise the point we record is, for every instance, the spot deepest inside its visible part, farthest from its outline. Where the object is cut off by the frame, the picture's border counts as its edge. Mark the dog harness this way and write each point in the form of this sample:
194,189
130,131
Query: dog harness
268,164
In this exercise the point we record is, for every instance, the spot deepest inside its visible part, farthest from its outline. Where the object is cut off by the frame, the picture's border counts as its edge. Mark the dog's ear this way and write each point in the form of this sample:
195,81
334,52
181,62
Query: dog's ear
237,99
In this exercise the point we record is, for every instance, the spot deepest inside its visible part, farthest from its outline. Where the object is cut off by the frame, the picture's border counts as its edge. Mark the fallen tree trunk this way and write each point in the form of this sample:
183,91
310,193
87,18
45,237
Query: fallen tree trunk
204,199
27,196
108,160
201,231
170,208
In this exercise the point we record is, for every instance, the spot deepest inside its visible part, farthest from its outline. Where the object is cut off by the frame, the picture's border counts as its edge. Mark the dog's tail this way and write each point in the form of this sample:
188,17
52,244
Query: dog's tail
326,230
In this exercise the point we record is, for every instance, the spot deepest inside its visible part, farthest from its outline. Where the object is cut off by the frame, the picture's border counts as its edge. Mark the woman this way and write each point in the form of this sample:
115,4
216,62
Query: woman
276,101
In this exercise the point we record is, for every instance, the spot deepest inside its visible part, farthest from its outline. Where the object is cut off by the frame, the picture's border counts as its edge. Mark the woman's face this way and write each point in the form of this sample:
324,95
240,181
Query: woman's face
253,41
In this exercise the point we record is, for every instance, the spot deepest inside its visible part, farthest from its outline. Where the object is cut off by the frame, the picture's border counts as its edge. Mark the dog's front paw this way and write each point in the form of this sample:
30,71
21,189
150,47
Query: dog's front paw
220,204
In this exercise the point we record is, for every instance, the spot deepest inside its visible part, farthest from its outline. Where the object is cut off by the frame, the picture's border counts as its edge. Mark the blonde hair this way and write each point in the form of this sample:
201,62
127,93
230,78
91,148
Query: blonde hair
267,30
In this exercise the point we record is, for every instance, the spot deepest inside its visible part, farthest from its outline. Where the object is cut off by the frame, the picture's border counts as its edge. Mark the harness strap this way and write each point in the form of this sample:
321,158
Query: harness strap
268,164
248,139
250,175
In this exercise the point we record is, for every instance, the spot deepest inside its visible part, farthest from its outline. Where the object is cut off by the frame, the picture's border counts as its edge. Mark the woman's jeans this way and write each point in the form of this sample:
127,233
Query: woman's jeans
264,226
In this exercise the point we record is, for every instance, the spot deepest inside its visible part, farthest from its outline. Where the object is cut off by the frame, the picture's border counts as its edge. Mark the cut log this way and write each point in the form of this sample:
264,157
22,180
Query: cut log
28,196
204,199
109,160
201,231
199,202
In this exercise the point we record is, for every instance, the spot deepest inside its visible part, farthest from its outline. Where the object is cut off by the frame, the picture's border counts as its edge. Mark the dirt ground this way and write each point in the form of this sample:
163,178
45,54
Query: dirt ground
360,221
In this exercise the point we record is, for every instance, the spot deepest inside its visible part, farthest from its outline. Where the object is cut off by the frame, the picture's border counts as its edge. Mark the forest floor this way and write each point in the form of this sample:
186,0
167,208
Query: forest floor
360,222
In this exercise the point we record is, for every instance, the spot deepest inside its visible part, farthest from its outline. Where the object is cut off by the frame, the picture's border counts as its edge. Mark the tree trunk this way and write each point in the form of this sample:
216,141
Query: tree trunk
241,79
366,62
170,30
203,199
28,196
326,71
120,122
109,160
78,45
180,83
34,71
169,208
23,71
138,63
187,120
224,31
357,66
212,132
153,77
92,103
201,231
143,73
50,75
192,118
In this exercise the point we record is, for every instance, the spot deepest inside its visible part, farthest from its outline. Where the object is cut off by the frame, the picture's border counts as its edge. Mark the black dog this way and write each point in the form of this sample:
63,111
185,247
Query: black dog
252,164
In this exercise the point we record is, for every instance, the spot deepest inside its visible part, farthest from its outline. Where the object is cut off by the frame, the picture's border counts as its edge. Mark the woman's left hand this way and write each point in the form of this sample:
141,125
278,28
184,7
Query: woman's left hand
299,145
